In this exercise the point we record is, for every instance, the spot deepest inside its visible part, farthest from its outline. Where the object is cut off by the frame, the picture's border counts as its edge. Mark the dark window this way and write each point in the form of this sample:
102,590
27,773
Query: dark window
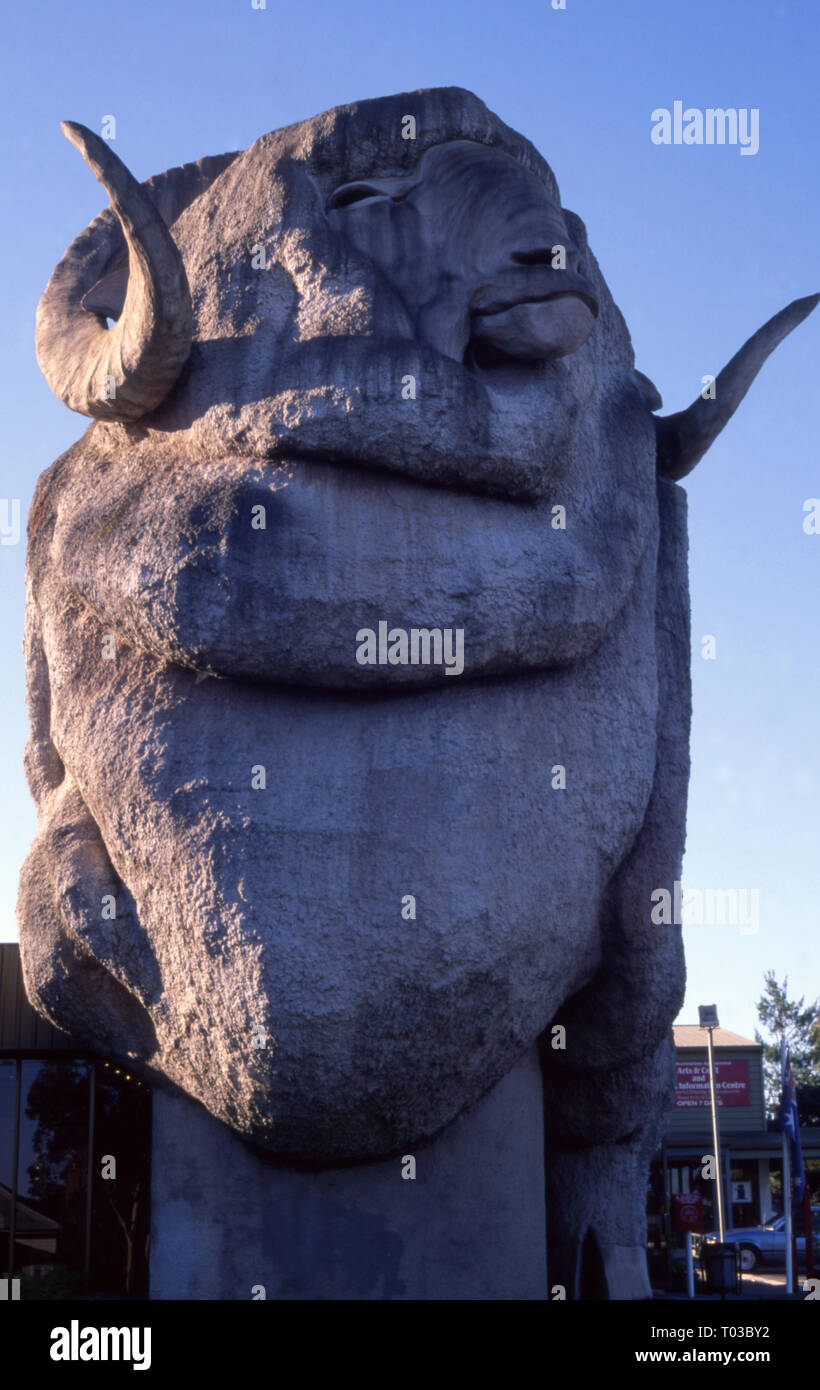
52,1172
120,1205
8,1091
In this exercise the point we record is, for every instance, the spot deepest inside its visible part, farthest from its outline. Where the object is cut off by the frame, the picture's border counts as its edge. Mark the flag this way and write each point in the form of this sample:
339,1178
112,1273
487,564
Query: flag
789,1123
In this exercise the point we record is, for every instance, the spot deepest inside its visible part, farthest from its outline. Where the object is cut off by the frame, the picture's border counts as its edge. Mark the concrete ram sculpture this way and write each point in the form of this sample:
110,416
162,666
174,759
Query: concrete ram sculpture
365,393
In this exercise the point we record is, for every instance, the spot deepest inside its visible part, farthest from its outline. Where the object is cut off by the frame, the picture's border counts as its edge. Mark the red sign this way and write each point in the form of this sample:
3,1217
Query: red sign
692,1083
687,1210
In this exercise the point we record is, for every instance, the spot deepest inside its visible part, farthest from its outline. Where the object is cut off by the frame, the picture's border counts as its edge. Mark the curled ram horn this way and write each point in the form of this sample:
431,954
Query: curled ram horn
684,438
126,371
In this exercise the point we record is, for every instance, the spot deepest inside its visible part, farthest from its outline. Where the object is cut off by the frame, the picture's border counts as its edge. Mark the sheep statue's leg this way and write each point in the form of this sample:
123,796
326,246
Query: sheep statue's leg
596,1192
607,1060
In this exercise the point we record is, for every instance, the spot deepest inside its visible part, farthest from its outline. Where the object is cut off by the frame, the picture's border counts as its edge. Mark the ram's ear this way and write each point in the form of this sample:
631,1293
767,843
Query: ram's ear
649,390
576,228
684,438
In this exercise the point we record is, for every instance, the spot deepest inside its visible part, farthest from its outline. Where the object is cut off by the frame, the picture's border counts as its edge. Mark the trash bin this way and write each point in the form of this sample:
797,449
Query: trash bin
722,1265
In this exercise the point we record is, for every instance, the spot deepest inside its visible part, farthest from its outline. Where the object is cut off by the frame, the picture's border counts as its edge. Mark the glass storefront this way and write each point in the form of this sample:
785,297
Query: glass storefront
75,1137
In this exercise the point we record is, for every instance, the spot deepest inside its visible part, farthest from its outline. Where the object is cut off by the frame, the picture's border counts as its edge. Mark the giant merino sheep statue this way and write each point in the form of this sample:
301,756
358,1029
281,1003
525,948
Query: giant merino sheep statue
366,378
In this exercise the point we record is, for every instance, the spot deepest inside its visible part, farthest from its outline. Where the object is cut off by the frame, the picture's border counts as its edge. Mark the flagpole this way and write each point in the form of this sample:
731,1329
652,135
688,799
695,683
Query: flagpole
809,1232
787,1182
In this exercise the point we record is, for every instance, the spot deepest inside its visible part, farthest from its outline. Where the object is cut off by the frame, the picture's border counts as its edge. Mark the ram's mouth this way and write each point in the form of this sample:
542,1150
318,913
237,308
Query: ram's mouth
548,314
538,325
502,303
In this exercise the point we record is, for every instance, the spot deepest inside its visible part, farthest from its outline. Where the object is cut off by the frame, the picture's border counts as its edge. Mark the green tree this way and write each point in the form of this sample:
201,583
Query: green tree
798,1025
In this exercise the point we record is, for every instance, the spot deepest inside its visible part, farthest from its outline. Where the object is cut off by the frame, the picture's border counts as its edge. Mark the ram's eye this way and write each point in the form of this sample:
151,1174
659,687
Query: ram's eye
353,193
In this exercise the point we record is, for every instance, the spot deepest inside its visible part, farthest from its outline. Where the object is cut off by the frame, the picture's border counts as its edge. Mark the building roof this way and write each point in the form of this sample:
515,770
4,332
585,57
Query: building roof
21,1028
28,1222
691,1035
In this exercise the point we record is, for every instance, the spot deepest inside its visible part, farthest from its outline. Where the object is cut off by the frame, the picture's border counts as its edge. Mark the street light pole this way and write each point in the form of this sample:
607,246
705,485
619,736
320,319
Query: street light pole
716,1137
709,1021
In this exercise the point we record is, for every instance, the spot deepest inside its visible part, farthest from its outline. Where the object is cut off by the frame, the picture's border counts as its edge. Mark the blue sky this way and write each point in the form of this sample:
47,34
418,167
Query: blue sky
699,245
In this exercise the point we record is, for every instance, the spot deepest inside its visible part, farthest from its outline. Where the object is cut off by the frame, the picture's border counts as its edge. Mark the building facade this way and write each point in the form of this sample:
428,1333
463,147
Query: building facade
750,1147
75,1145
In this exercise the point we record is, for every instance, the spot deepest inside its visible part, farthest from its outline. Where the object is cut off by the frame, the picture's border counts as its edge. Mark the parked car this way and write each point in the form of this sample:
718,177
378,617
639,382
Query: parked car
766,1245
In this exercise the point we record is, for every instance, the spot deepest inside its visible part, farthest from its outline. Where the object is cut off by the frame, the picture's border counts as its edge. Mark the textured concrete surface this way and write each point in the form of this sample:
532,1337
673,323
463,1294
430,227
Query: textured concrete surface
470,1225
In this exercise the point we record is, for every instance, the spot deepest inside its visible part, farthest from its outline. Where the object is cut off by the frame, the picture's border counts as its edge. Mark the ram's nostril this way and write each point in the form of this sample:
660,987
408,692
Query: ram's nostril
542,255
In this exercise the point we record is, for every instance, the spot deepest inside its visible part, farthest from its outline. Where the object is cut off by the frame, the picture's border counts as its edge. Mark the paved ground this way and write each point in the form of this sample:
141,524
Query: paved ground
764,1284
